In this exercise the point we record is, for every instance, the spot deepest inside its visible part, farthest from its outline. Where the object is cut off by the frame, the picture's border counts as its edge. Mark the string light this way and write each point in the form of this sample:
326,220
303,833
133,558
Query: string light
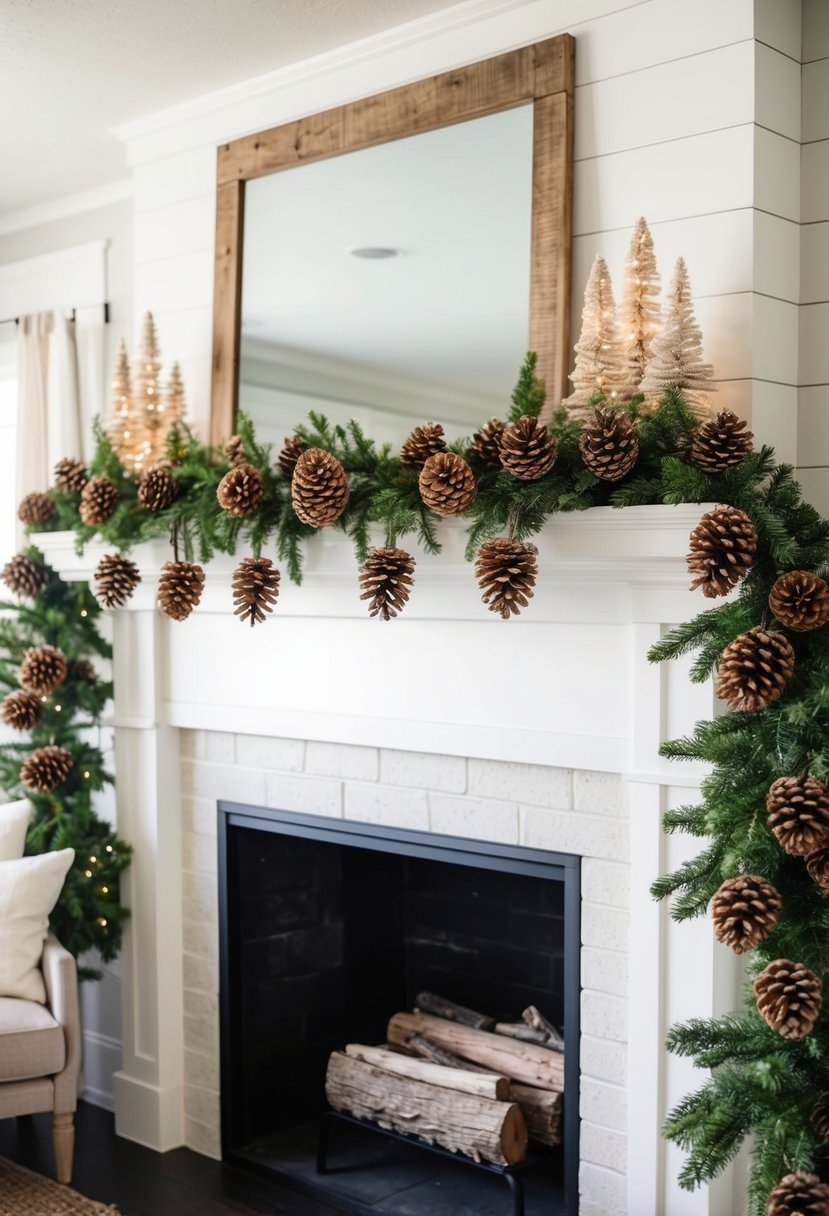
86,774
109,848
88,873
105,890
84,612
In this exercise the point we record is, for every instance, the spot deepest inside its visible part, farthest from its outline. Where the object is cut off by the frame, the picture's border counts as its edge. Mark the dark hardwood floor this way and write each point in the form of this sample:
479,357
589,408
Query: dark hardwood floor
144,1183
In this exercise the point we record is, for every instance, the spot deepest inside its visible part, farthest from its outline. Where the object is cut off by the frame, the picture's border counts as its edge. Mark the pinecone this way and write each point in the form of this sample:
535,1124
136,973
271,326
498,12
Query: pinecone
447,484
21,710
722,549
608,445
788,997
235,450
800,600
83,671
817,865
157,490
798,1194
527,449
98,500
116,578
506,571
798,810
240,491
820,1116
255,588
23,576
386,581
722,442
754,668
744,911
46,768
319,488
486,443
42,669
292,449
424,441
180,589
35,509
70,476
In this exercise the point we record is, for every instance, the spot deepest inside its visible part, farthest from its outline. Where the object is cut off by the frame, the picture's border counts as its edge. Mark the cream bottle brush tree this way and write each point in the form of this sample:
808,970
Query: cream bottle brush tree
144,413
677,359
600,363
640,311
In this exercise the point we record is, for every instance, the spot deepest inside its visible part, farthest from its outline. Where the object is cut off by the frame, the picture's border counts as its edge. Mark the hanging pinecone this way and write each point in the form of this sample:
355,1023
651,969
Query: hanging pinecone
157,490
744,911
46,768
789,997
527,449
255,588
486,443
180,589
447,484
23,576
70,476
235,450
21,710
817,865
722,549
116,578
240,491
99,499
42,669
754,669
319,488
506,571
798,1194
292,449
820,1116
722,442
386,581
83,671
423,442
36,509
798,809
608,445
800,600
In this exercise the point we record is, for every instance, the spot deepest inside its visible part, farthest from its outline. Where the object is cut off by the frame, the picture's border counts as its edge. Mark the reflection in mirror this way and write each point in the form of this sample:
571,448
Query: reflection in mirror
390,284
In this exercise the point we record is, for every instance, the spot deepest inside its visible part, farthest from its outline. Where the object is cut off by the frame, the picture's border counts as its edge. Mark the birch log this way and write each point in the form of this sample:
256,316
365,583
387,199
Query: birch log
541,1110
483,1084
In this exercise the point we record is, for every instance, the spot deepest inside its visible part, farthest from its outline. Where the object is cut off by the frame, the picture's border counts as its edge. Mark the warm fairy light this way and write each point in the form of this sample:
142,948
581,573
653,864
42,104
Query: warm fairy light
105,890
93,860
58,708
86,773
109,848
84,612
102,921
88,873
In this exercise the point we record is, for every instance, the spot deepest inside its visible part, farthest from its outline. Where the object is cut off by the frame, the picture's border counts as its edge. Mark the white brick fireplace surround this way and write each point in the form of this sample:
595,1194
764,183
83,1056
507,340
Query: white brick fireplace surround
542,731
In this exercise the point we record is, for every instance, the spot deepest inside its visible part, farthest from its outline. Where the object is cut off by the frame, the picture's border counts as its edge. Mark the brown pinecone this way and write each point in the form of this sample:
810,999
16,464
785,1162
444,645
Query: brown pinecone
36,509
319,488
506,571
180,589
46,768
157,490
255,588
292,449
798,1194
820,1116
789,997
754,668
800,600
722,442
23,576
608,445
99,499
70,476
486,443
21,710
817,865
386,581
744,911
116,578
235,450
798,809
42,669
447,484
722,549
527,449
423,442
84,671
240,491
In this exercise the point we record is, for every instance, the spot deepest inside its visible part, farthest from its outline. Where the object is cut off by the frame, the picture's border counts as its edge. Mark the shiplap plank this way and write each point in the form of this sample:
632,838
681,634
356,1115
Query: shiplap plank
725,322
182,227
816,100
183,334
814,263
777,91
815,485
776,257
814,346
184,281
774,339
778,24
774,418
188,174
776,174
813,425
815,181
815,30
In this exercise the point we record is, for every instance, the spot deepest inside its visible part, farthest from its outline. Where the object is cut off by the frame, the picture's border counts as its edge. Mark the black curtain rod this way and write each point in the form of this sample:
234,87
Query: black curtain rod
16,320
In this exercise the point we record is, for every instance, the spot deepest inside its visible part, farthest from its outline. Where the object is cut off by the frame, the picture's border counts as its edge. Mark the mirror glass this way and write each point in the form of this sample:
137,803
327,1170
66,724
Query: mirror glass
390,284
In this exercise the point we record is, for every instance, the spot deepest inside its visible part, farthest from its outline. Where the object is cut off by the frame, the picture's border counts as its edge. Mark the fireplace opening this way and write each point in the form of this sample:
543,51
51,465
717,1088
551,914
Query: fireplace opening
327,930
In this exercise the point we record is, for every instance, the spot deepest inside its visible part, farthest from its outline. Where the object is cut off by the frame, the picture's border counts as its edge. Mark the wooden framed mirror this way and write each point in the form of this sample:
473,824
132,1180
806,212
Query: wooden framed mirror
497,192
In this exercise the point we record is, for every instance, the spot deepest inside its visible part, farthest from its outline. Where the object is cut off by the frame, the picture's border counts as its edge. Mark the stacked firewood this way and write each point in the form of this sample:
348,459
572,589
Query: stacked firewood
457,1078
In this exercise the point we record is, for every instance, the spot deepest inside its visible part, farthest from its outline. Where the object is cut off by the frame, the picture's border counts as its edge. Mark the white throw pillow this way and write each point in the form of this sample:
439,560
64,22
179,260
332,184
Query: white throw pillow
14,820
29,890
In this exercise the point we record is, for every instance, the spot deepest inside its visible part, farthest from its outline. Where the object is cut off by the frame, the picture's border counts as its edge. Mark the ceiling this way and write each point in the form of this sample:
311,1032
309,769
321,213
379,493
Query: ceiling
72,70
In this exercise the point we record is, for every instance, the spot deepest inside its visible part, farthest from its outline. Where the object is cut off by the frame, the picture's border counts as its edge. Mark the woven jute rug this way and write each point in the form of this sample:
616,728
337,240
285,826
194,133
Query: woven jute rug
23,1193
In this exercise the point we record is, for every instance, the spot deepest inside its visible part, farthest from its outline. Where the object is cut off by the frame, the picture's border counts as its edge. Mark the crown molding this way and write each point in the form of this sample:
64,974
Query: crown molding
71,204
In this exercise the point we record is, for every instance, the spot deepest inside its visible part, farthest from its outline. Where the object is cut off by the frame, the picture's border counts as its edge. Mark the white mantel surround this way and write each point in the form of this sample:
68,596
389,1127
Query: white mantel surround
564,687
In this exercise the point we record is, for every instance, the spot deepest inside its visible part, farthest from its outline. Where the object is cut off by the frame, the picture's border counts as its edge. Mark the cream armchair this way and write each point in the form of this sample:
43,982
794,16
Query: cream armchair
40,1053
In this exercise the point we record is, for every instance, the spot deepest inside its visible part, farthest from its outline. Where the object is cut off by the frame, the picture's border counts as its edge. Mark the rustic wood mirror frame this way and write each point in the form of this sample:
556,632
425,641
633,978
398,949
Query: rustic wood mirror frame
541,74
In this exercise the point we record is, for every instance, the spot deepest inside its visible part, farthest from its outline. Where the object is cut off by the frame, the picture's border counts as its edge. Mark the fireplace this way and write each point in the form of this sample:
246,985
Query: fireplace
327,928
